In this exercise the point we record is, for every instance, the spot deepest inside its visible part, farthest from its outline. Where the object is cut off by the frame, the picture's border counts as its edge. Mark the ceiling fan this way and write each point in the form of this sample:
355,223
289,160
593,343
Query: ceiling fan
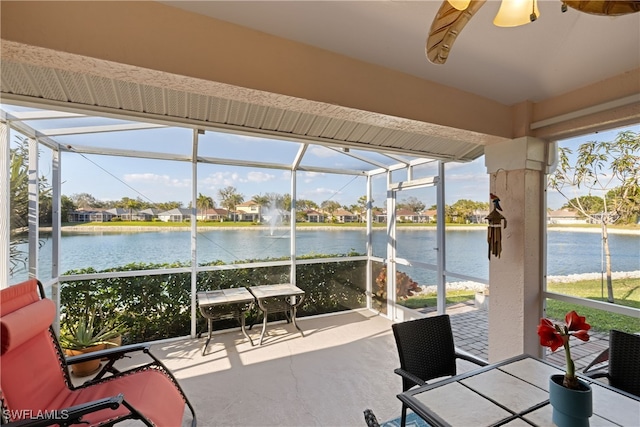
453,15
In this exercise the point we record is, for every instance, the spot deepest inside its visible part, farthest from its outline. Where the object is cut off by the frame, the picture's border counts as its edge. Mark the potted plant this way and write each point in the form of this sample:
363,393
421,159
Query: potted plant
87,333
569,396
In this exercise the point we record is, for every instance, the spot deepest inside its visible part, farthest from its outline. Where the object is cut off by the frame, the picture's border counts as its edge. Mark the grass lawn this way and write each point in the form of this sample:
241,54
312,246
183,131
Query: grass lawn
626,292
429,300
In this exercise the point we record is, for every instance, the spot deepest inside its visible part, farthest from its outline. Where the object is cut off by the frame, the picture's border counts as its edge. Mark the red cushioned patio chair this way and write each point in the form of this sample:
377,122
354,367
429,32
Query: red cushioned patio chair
35,386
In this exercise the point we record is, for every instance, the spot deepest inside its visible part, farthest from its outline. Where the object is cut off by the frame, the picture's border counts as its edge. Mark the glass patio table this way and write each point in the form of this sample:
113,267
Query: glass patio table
514,392
279,298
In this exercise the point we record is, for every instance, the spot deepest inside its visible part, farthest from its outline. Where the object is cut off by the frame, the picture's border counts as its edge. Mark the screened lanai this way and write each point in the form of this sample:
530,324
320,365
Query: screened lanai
82,142
345,76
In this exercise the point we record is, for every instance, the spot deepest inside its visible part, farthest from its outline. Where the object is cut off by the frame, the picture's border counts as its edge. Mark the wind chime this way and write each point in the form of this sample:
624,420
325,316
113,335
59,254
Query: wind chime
494,233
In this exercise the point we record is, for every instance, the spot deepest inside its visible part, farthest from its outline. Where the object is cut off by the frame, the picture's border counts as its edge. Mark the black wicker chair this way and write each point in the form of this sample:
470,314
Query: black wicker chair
426,351
623,371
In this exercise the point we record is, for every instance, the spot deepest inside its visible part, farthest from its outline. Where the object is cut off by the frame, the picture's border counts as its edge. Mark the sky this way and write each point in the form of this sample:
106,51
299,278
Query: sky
111,178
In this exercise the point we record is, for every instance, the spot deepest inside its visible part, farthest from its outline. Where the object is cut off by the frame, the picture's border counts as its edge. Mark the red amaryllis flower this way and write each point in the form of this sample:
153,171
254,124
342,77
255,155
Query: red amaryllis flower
549,336
575,322
555,336
581,335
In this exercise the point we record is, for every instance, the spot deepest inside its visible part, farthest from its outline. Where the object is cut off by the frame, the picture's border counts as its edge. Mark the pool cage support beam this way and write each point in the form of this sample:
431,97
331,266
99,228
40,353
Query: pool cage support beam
292,225
194,231
391,250
33,207
441,285
56,231
369,246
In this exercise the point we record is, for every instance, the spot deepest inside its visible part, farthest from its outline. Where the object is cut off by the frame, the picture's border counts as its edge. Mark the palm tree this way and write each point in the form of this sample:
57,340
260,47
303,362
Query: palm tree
131,204
230,198
204,202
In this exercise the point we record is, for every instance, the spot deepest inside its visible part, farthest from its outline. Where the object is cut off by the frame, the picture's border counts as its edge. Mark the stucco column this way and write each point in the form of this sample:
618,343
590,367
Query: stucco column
517,176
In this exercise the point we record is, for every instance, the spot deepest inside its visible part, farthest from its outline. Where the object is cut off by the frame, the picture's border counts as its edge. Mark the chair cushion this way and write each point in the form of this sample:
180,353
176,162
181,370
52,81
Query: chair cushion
18,296
150,391
22,325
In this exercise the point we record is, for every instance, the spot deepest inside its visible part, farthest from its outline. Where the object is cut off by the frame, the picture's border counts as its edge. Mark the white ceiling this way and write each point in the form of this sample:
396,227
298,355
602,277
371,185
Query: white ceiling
557,53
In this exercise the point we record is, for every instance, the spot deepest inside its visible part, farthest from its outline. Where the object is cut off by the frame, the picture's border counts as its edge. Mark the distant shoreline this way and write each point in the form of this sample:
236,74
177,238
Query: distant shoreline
142,228
569,278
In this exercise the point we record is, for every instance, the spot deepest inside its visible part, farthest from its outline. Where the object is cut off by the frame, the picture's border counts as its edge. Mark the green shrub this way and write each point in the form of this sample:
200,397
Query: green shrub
155,307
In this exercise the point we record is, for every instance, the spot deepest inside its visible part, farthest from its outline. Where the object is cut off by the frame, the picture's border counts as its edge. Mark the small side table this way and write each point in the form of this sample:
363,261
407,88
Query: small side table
225,304
279,298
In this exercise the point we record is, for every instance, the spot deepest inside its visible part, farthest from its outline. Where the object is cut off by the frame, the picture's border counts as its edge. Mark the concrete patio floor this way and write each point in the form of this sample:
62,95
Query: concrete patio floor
343,365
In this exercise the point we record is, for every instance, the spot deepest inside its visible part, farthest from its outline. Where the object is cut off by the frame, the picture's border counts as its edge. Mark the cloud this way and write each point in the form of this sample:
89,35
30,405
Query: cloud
316,192
259,177
312,176
218,179
323,152
152,178
251,138
467,177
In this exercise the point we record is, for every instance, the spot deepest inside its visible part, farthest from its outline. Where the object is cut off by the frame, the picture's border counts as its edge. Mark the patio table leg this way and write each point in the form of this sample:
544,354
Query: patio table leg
264,324
293,317
242,324
294,302
210,325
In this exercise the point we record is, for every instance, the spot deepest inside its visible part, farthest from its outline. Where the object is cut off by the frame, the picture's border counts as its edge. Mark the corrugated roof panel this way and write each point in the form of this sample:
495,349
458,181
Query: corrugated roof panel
104,92
467,150
387,138
358,133
345,130
198,106
67,86
273,118
255,116
237,113
289,120
154,100
129,94
304,123
176,103
436,145
412,140
218,110
332,129
371,134
399,139
47,82
76,87
15,80
318,126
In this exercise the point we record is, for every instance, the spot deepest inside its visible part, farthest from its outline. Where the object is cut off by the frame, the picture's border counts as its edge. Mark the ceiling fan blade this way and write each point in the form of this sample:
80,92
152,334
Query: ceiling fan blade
609,7
445,27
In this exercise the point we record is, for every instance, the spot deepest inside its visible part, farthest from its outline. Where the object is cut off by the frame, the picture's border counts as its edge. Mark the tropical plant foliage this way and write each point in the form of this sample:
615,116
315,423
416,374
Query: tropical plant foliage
88,330
19,201
611,169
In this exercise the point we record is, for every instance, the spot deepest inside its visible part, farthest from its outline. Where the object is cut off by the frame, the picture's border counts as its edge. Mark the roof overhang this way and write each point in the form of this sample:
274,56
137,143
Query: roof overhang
113,59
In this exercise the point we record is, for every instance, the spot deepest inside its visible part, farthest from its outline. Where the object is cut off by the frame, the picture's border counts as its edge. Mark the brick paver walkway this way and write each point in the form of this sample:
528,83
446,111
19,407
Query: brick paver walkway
471,333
